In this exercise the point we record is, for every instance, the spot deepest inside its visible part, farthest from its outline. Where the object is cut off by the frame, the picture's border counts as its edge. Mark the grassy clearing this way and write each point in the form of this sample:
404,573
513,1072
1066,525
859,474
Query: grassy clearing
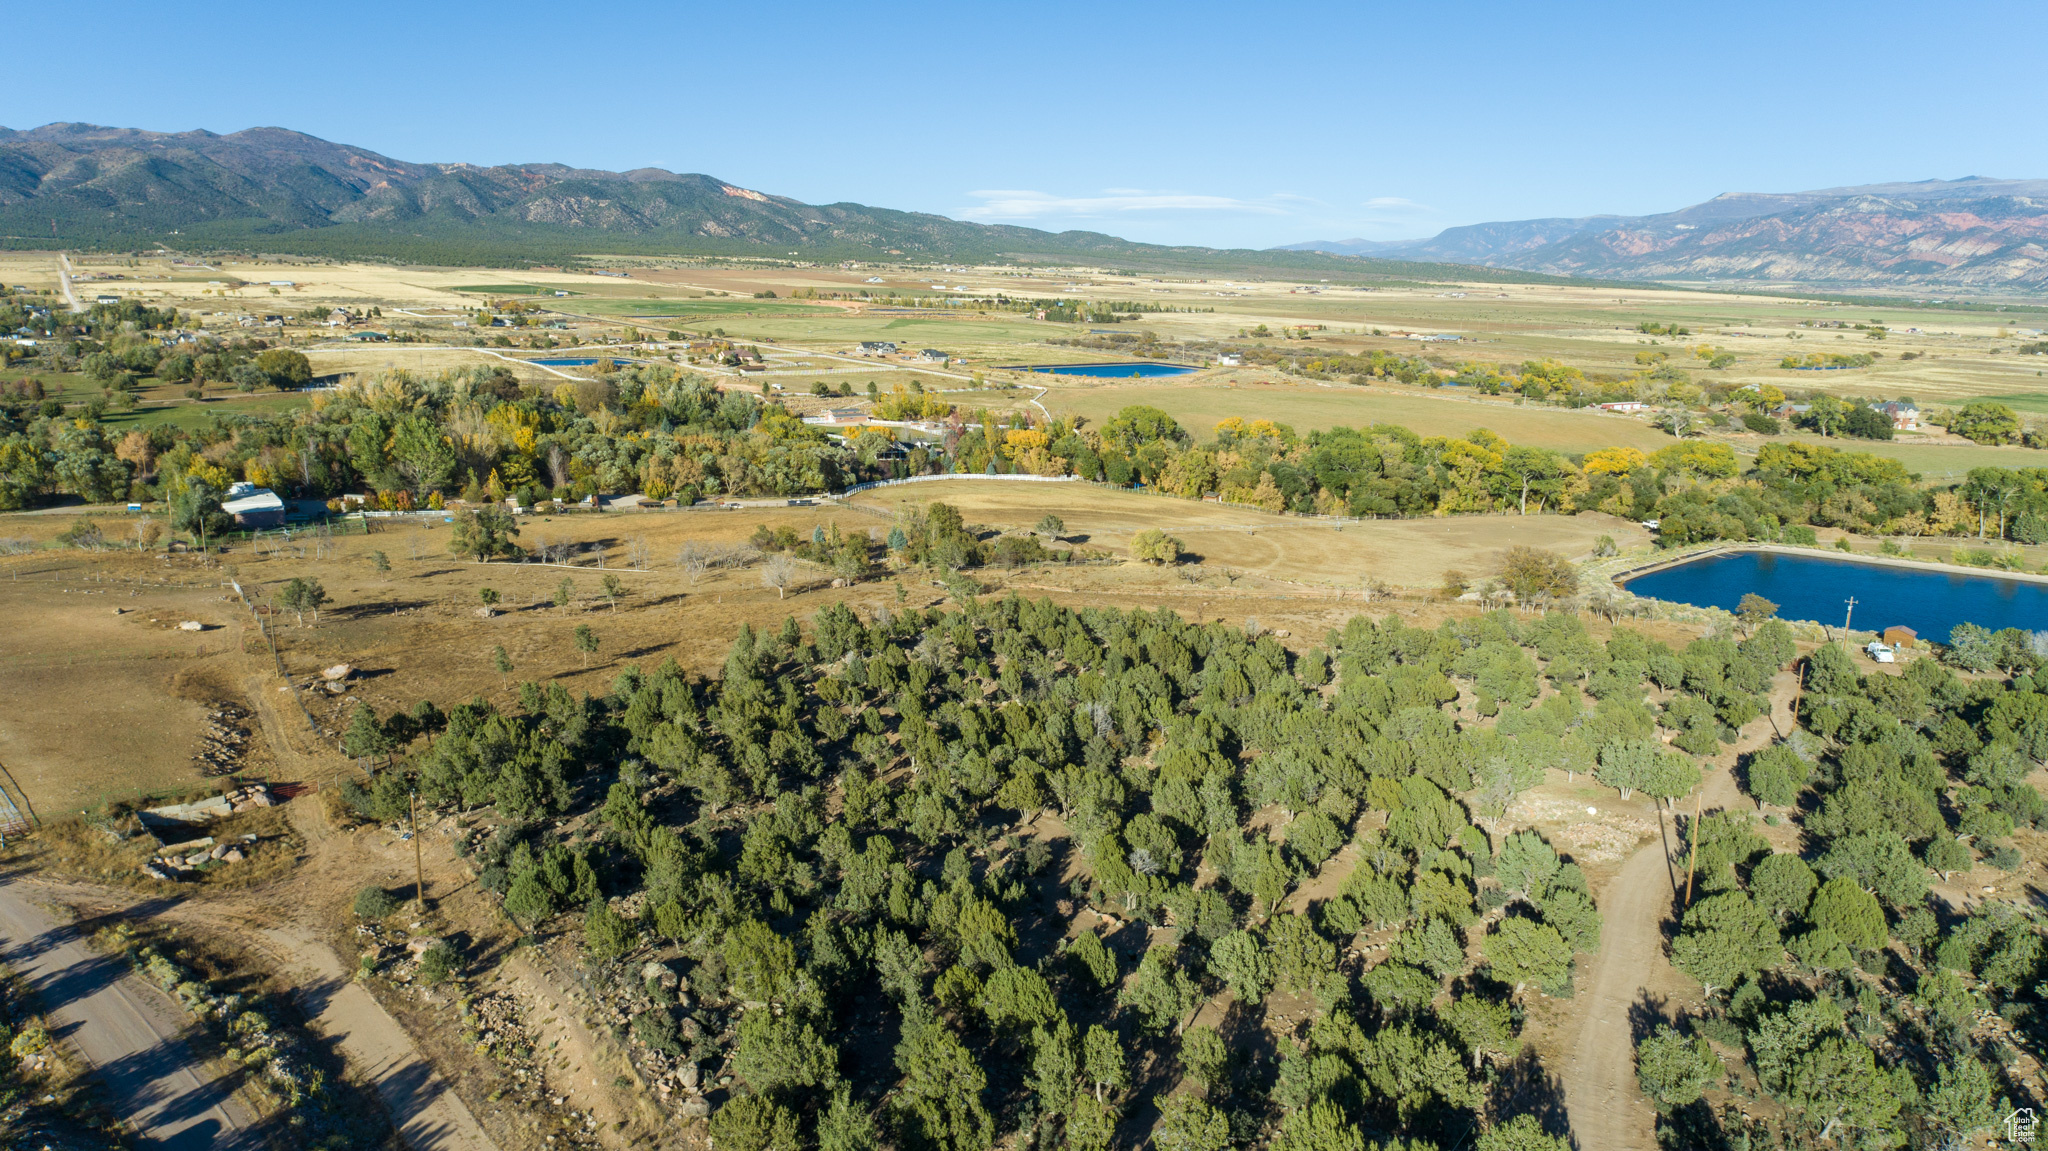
506,289
1937,462
2018,401
683,309
1199,407
1409,553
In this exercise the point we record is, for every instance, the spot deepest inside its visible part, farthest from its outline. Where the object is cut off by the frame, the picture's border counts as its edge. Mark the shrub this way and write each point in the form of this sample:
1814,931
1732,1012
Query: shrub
375,903
1155,546
438,964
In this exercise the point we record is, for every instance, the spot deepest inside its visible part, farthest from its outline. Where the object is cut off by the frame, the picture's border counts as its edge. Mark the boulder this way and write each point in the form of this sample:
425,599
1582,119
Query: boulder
421,944
154,872
658,971
232,855
695,1107
191,625
337,673
691,1076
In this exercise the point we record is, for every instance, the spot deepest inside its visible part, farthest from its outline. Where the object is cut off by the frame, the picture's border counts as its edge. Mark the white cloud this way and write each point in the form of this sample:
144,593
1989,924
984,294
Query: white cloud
1015,204
1393,202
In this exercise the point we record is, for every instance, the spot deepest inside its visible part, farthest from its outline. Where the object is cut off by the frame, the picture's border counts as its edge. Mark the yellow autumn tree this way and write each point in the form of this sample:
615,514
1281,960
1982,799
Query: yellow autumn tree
1615,461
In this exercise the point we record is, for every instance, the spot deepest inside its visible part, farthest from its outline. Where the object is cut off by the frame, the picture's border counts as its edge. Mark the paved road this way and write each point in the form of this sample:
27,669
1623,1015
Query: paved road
126,1030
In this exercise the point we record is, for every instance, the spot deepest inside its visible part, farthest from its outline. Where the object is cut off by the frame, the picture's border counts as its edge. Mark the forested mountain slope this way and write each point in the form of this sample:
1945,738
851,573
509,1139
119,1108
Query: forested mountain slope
270,189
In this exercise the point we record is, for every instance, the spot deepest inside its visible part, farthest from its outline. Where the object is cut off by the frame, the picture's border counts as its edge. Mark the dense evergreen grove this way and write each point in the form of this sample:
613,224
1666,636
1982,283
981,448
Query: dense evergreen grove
1853,987
873,842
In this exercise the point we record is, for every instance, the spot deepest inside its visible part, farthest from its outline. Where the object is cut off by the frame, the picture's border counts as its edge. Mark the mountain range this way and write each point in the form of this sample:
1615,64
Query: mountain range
1976,232
279,191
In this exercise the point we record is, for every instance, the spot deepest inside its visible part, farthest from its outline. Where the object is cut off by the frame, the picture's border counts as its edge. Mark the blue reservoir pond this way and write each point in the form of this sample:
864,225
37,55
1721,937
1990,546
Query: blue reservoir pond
1143,371
1817,588
582,362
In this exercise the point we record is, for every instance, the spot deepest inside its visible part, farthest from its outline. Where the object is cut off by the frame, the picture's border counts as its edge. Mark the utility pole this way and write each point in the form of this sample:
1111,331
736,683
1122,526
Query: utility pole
1692,858
1845,616
419,887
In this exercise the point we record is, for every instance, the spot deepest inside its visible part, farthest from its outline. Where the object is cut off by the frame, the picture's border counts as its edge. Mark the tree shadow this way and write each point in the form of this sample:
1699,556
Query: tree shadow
1525,1087
1646,1013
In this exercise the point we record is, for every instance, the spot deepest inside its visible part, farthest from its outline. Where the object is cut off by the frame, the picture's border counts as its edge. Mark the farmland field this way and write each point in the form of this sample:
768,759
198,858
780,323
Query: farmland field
1200,406
1406,553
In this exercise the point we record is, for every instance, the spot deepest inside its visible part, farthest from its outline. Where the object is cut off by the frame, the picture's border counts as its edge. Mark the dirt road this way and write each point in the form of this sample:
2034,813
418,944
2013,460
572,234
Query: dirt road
64,282
428,1116
126,1030
1607,1110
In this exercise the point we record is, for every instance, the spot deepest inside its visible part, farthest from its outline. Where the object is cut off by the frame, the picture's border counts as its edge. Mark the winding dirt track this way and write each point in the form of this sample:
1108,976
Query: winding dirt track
129,1033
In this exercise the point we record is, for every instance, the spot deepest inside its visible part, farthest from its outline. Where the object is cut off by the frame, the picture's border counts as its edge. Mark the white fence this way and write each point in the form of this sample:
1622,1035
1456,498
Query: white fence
1012,477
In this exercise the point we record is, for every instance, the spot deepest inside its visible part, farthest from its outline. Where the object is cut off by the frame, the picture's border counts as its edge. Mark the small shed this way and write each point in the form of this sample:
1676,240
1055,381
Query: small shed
1900,636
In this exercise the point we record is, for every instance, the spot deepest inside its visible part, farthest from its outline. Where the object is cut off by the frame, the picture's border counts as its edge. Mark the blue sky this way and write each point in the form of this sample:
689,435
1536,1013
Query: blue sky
1218,124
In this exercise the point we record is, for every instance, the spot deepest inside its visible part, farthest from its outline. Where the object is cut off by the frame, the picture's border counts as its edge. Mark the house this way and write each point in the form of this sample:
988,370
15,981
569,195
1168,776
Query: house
106,299
838,418
281,283
1905,416
1625,406
253,507
877,348
933,356
1230,360
1900,636
273,321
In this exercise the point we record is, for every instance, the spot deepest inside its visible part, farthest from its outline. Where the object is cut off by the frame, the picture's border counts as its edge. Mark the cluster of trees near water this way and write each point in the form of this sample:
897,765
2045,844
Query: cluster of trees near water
942,878
1850,971
481,434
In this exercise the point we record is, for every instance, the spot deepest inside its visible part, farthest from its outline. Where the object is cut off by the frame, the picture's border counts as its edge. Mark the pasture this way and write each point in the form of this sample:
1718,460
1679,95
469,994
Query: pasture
1200,406
1400,553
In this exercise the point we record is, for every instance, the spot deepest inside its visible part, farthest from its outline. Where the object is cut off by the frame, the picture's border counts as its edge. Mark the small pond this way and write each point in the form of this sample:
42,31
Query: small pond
582,362
1817,588
1127,371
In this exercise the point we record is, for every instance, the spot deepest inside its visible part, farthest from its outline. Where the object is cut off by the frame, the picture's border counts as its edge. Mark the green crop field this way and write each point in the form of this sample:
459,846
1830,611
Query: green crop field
2019,401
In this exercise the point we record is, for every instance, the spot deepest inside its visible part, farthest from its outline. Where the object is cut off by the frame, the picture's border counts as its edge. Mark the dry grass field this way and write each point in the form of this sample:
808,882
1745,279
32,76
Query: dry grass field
1199,406
97,706
1400,553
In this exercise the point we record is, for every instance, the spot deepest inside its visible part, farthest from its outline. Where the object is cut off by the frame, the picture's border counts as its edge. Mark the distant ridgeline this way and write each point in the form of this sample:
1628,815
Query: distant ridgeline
276,191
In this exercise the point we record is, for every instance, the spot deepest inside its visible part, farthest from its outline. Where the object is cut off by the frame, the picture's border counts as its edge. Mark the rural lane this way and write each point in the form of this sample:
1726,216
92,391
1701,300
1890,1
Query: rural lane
130,1033
64,281
1607,1110
428,1115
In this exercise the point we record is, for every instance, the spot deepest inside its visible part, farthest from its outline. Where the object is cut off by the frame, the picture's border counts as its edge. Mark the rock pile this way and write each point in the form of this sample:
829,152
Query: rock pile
184,860
225,741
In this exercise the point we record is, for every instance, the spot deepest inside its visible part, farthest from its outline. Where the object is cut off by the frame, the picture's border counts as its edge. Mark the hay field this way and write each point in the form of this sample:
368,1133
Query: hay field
1404,553
1200,406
